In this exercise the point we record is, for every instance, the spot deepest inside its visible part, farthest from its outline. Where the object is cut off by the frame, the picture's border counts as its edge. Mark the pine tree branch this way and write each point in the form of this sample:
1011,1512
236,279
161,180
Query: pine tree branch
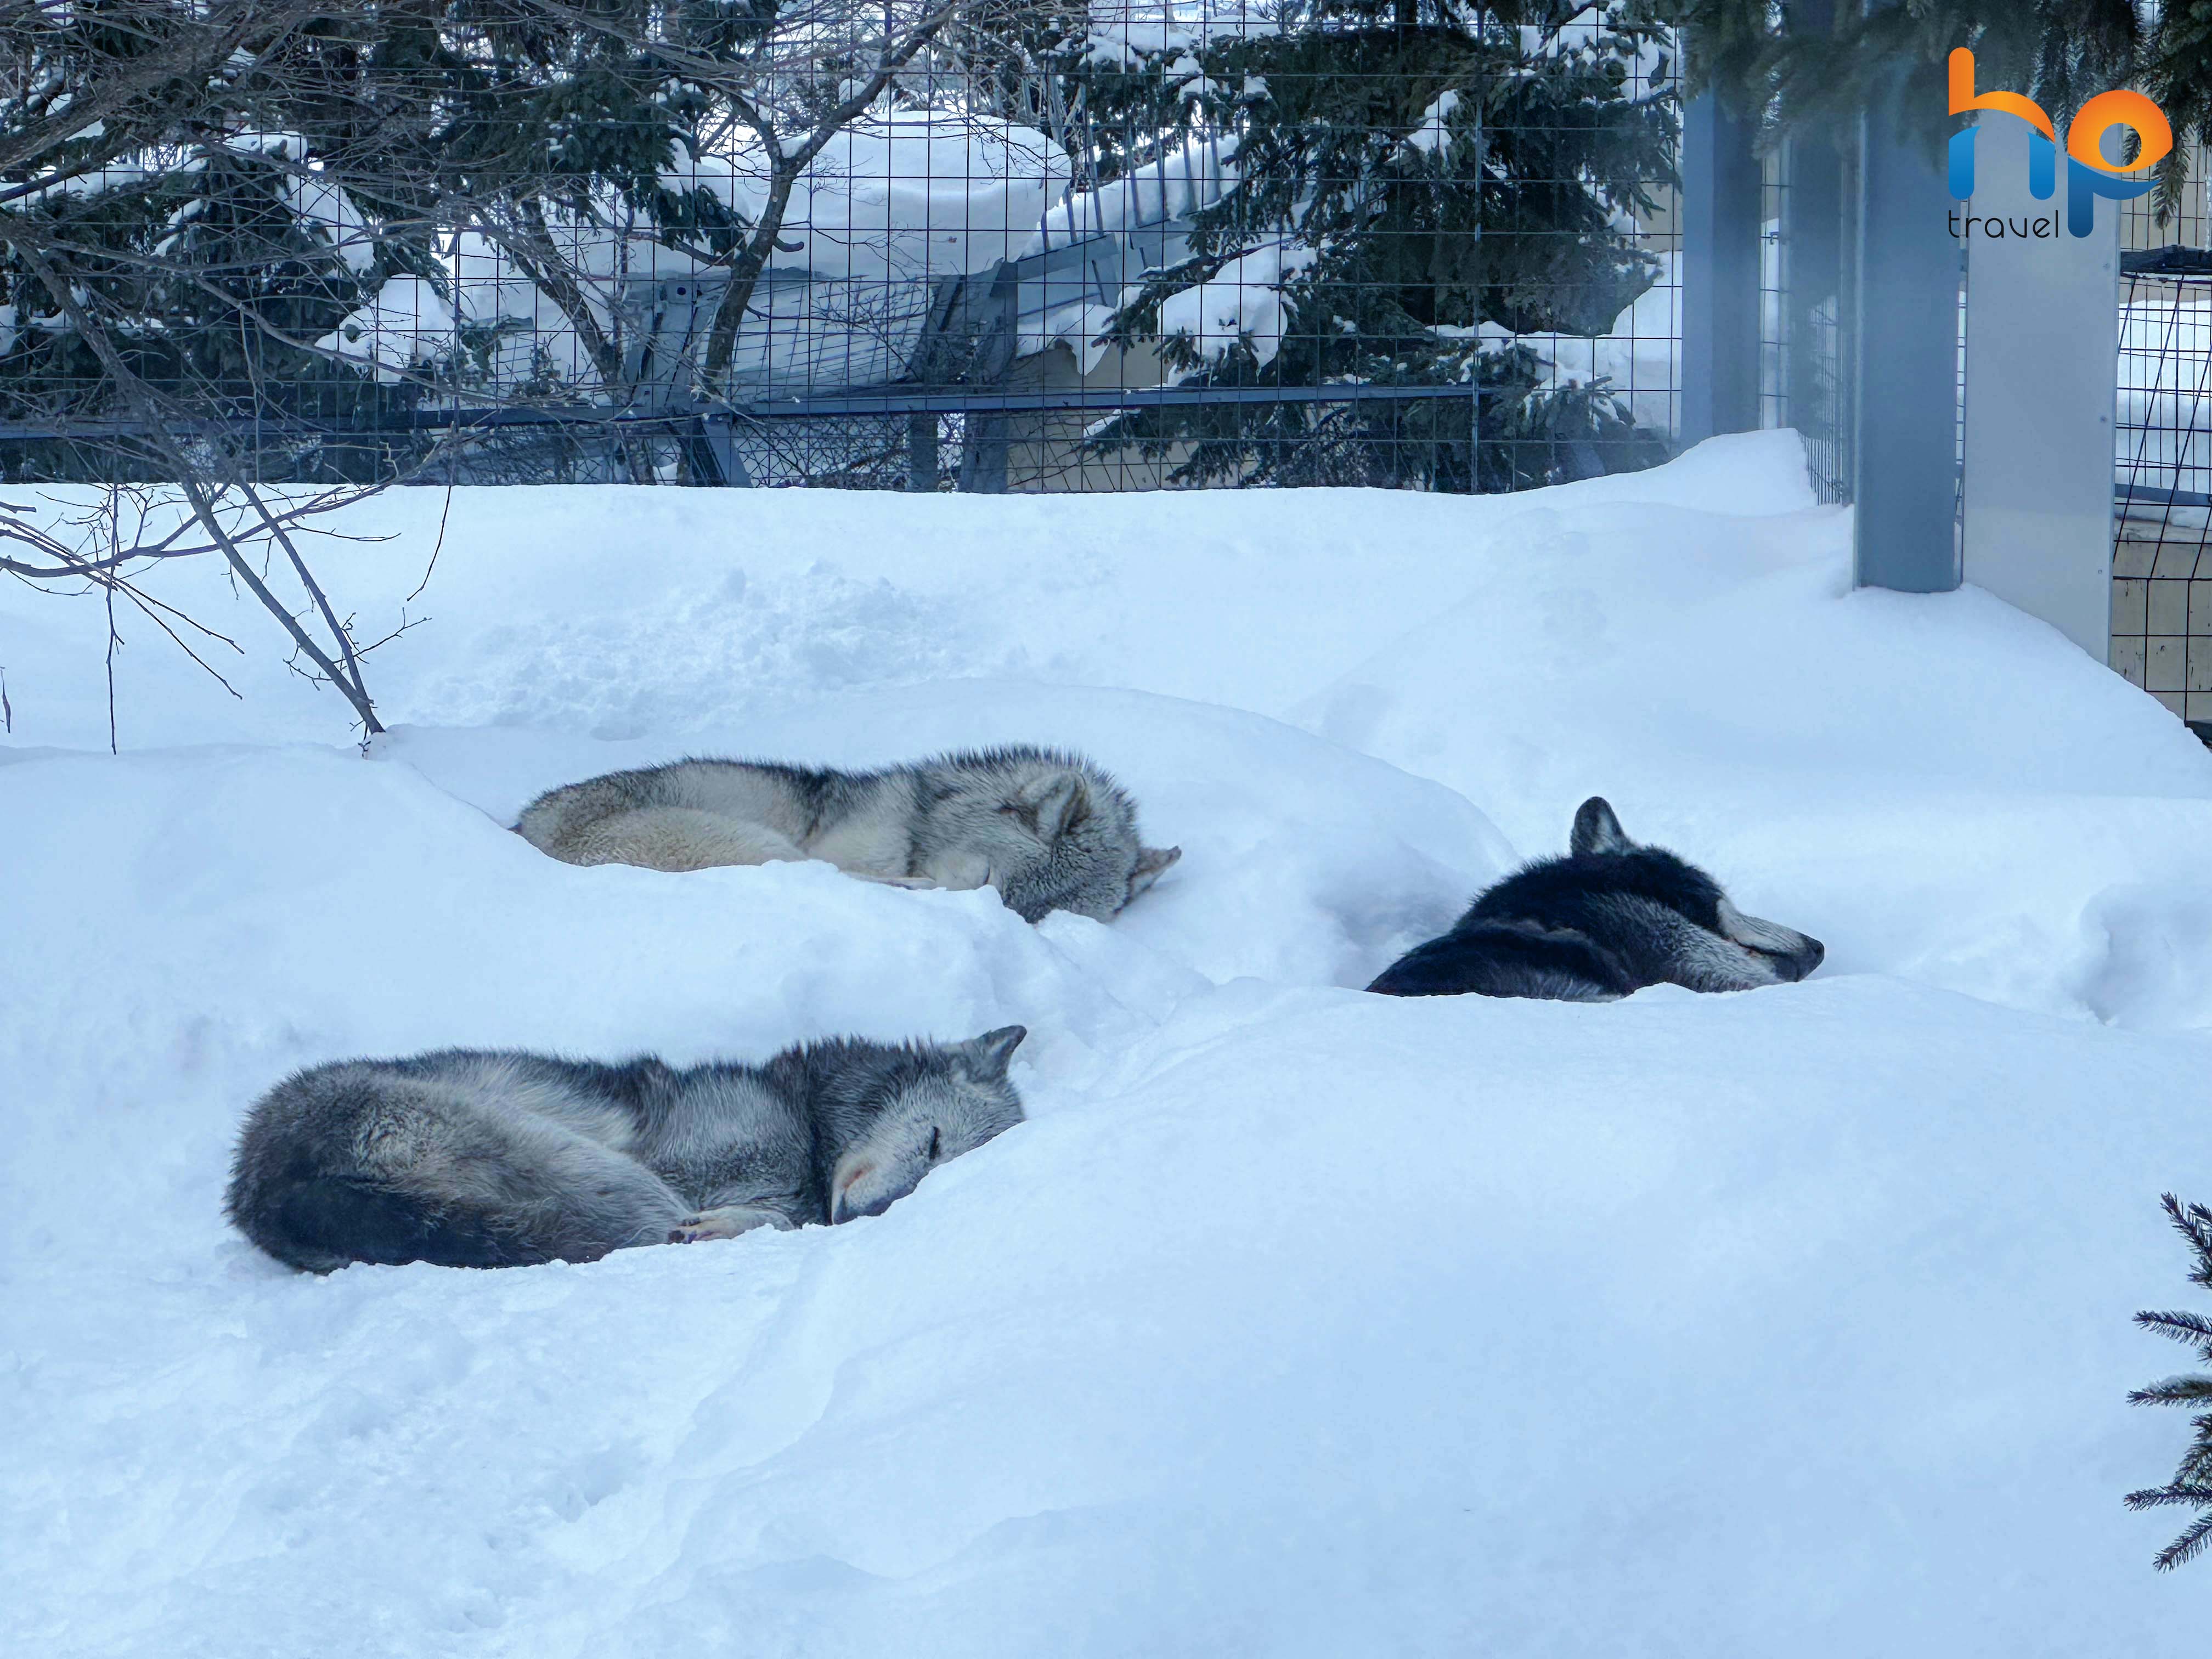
2173,1391
2181,1327
2192,1482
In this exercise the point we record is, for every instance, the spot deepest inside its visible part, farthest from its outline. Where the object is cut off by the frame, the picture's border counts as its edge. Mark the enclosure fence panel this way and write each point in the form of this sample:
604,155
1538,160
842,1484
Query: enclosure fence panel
1173,244
2162,551
1181,244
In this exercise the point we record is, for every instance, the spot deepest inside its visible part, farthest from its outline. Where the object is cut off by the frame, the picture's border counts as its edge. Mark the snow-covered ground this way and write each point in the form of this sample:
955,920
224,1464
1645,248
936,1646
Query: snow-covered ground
1295,1321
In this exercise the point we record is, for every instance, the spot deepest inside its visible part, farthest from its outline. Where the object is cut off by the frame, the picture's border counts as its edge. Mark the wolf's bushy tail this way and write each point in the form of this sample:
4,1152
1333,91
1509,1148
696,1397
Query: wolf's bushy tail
320,1224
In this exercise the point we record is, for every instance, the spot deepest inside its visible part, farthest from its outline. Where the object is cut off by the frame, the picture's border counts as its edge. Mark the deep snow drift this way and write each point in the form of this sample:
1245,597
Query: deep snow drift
1295,1321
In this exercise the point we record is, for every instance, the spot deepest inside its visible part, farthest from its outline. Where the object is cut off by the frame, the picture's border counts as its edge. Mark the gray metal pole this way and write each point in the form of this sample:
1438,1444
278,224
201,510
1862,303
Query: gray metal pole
1905,438
921,452
2041,379
1720,274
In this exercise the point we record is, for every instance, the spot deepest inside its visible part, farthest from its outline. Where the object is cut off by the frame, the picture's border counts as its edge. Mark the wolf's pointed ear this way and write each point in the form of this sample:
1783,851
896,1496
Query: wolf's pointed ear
1151,861
1597,830
1061,802
989,1054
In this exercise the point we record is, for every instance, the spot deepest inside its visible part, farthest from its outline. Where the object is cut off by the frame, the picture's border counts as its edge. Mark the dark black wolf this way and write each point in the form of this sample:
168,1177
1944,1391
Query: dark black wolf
1610,918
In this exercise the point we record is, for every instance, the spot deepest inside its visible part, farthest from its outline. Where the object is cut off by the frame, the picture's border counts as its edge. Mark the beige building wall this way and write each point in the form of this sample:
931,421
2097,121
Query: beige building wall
1046,453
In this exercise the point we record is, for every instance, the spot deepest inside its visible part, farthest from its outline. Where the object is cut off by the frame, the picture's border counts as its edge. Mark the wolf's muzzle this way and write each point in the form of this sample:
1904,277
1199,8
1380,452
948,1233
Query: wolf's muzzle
1793,965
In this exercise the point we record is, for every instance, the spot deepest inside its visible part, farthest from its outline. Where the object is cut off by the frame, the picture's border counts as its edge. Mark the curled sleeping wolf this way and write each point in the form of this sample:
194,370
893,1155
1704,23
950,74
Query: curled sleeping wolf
484,1160
1610,918
1049,831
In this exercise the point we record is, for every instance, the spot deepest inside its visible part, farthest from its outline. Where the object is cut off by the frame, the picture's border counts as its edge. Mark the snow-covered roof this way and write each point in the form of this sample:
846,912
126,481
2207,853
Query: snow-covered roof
1192,177
888,208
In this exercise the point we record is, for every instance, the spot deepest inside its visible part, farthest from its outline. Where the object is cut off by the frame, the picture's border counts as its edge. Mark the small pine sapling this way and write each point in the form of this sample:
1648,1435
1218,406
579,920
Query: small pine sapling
2191,1485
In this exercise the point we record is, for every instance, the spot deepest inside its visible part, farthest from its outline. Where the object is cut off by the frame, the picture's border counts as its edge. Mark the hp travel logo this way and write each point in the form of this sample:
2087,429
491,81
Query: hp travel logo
2088,174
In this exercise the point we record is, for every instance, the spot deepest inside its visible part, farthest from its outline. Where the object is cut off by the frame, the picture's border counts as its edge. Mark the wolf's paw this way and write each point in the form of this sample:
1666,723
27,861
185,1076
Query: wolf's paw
894,881
726,1223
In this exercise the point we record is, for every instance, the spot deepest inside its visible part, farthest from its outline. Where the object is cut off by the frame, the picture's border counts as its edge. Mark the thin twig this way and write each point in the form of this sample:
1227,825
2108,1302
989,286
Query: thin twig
307,579
436,547
144,404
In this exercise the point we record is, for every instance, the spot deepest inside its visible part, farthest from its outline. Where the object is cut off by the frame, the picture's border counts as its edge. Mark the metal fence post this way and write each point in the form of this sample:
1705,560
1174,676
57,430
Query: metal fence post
1720,274
1813,385
1905,438
1814,394
921,452
986,441
2042,377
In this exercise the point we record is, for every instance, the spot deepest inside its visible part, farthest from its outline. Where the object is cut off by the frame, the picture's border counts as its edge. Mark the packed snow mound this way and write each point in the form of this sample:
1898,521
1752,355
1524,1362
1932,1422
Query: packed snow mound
382,914
1055,1403
629,611
1938,787
1301,863
1294,1321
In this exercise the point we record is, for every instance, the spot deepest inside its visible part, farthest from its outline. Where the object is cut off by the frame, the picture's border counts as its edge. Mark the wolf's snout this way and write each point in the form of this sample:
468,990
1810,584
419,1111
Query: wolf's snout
842,1213
1798,963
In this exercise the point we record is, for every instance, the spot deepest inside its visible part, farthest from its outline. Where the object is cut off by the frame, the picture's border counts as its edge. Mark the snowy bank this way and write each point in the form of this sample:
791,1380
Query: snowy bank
1295,1321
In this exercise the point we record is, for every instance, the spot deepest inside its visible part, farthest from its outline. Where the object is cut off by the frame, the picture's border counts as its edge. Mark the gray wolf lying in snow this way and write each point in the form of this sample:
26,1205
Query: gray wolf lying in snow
1610,918
486,1159
1049,831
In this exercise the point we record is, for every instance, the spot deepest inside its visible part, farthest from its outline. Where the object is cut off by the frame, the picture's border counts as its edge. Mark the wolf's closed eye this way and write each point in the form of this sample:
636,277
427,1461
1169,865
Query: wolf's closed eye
934,1135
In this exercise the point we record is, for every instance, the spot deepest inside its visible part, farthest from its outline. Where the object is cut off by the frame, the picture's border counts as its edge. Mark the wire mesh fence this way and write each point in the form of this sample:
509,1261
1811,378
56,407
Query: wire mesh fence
1149,244
2162,549
1165,244
1805,281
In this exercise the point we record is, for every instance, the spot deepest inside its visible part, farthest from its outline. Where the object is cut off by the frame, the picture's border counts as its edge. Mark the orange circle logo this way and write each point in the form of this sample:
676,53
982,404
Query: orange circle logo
2107,110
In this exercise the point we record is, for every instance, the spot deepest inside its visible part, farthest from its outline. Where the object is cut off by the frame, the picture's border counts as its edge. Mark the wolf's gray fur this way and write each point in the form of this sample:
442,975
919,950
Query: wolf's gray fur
476,1158
1609,919
1049,831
